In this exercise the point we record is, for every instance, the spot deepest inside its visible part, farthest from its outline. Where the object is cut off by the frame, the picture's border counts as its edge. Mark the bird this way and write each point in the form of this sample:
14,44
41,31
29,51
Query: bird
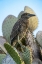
20,28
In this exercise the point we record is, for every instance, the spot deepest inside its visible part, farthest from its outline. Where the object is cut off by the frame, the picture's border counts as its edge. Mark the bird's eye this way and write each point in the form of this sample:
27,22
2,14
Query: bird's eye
25,14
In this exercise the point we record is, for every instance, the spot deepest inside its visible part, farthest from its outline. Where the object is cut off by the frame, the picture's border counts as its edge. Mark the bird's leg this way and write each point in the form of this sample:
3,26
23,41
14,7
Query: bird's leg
19,42
22,46
18,39
14,43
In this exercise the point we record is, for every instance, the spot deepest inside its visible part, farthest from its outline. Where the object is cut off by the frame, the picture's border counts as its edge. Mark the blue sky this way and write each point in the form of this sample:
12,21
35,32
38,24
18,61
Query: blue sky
13,7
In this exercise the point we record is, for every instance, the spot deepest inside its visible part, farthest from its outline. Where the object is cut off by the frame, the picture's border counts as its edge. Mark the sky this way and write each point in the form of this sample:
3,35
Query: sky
13,7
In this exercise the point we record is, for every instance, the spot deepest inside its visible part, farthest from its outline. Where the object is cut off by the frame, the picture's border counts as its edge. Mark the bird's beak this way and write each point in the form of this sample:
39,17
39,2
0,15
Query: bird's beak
30,15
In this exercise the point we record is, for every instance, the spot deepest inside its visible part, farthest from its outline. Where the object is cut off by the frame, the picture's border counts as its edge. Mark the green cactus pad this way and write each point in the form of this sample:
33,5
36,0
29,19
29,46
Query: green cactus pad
13,53
7,26
39,37
27,56
26,53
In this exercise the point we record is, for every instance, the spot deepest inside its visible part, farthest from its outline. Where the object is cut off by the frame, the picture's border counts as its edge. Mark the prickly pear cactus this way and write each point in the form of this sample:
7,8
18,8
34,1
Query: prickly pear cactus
28,10
13,53
33,21
7,26
27,55
2,41
39,37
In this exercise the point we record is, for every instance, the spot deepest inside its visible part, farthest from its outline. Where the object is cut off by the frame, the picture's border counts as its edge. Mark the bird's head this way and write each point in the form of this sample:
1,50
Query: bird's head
27,15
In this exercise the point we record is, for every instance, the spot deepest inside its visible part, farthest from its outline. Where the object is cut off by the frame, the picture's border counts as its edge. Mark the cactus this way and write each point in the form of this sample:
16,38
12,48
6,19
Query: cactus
33,21
2,41
27,56
7,26
28,10
39,37
2,56
13,53
10,21
19,16
26,53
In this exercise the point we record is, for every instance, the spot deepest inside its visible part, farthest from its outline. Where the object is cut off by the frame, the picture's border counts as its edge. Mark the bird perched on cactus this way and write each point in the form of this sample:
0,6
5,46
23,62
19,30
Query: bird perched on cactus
33,21
20,27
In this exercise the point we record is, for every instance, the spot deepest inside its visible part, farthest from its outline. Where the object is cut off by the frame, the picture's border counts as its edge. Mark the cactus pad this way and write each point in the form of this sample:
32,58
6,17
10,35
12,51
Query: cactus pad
39,37
28,10
2,41
7,26
33,21
19,16
27,55
13,53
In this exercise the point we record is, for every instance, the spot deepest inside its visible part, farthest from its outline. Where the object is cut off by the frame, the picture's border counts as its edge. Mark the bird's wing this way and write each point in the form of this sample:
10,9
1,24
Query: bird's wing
15,30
